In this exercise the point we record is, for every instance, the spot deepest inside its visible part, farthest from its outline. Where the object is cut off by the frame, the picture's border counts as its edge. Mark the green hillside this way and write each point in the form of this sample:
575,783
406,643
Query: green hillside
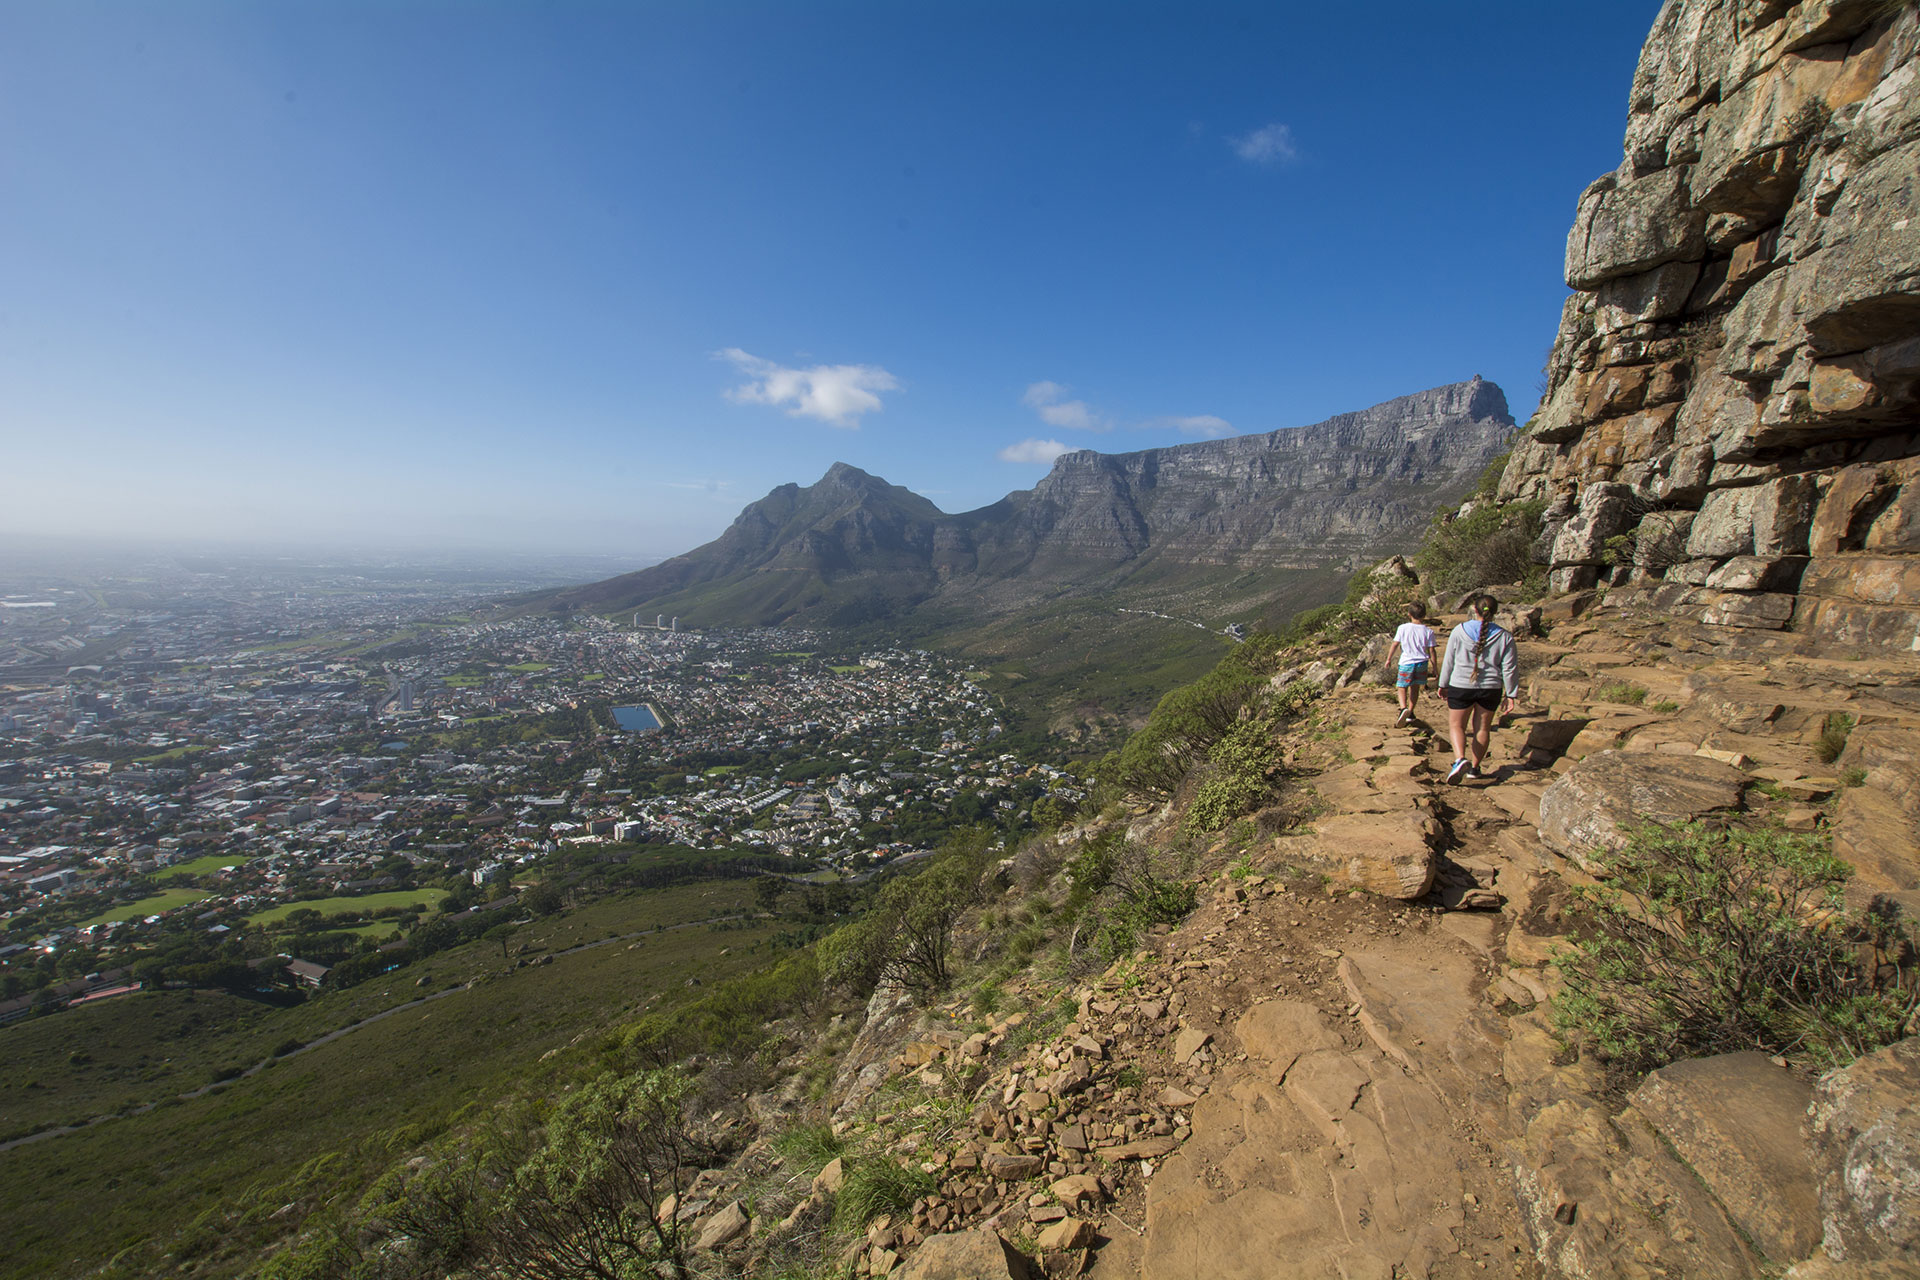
201,1178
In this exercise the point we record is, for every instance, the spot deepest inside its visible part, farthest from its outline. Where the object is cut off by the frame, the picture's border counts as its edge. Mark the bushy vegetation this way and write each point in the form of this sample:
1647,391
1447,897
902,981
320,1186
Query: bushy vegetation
584,1203
1118,893
811,1146
1493,543
1711,938
907,937
1188,721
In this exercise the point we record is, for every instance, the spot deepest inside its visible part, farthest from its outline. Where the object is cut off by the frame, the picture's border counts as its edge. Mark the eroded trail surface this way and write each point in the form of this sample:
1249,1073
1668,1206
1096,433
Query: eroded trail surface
1389,1098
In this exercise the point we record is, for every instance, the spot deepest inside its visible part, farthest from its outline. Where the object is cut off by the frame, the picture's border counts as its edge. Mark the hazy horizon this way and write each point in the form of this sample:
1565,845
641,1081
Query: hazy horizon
588,278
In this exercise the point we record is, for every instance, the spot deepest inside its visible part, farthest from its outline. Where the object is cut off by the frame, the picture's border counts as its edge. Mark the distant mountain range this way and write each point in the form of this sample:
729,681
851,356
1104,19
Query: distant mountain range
852,548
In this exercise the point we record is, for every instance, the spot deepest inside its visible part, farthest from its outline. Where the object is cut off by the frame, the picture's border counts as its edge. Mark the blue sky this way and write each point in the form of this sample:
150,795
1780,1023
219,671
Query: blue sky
592,276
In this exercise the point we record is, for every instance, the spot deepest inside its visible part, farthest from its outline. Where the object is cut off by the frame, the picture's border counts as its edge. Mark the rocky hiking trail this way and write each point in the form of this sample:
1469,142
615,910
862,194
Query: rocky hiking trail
1342,1064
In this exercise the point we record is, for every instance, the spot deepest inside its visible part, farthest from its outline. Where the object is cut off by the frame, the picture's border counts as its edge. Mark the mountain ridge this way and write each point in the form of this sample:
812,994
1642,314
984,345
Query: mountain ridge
853,547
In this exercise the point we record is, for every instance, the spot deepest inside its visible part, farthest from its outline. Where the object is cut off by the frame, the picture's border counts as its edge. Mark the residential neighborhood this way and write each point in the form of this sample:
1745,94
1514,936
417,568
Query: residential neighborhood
213,765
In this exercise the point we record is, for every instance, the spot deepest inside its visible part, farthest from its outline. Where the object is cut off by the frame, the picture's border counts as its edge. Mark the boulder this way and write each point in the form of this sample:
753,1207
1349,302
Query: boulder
721,1227
1866,278
1735,1118
1877,836
1724,525
1587,812
1068,1233
830,1179
1011,1166
1189,1042
1865,1122
981,1254
1390,854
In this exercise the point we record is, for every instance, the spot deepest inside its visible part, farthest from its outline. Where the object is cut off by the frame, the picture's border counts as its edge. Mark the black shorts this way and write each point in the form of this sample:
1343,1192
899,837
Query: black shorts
1461,699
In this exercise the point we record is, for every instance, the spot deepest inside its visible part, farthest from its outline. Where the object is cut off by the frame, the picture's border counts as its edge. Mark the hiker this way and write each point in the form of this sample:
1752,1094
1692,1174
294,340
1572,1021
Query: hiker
1413,644
1480,665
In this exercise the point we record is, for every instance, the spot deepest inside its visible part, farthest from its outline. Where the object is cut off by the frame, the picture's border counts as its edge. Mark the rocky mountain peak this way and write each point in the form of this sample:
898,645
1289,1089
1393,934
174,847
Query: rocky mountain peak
1320,496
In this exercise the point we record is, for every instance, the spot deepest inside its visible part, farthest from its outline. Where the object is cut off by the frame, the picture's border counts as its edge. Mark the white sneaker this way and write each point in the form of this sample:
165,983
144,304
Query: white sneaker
1459,771
1406,714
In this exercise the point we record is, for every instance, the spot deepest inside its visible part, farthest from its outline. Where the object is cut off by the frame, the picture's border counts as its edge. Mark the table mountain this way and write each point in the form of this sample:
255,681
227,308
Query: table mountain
852,547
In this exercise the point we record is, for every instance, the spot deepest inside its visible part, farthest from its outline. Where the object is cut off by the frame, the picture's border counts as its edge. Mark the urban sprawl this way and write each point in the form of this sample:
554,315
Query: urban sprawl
239,746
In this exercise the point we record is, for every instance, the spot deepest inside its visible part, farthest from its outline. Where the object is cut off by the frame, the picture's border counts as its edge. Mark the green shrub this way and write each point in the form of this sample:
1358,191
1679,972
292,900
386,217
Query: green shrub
1712,938
908,934
875,1186
1136,899
1620,691
1492,543
1242,762
1188,721
1834,733
1853,777
1309,623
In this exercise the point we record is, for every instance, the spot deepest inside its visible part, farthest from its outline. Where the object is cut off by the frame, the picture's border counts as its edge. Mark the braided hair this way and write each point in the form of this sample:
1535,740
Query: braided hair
1483,607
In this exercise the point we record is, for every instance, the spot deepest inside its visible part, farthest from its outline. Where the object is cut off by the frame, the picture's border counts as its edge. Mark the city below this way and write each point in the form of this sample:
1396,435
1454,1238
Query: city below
290,766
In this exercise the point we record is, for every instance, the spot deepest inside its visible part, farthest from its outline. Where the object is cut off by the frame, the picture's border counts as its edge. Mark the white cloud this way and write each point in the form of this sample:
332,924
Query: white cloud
1270,144
1203,425
1030,450
698,486
834,393
1047,399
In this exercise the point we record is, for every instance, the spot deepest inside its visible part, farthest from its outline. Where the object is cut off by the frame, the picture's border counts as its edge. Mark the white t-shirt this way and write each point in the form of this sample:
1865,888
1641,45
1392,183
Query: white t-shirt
1416,642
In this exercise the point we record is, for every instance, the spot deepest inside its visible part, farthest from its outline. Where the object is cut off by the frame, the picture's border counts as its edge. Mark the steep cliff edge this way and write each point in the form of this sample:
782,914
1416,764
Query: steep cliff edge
1732,426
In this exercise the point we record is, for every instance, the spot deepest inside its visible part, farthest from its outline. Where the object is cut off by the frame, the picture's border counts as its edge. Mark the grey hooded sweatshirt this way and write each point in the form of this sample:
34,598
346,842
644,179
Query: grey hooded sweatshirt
1498,667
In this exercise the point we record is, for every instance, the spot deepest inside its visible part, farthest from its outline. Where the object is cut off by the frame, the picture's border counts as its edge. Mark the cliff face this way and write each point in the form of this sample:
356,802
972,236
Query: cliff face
1309,497
1304,496
1732,427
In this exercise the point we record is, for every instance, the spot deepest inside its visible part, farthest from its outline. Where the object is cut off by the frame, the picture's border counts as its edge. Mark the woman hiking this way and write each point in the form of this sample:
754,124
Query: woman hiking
1480,665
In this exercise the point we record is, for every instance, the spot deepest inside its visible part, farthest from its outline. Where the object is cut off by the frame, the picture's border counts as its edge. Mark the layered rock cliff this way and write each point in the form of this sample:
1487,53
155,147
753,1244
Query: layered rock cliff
1317,496
1732,426
1295,497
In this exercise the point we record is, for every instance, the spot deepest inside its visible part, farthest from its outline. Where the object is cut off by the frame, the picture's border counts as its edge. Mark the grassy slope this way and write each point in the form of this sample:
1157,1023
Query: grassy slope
166,900
70,1203
366,902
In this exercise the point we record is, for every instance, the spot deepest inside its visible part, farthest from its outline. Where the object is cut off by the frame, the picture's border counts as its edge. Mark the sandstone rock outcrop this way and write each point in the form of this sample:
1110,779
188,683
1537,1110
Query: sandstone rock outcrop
1736,1120
1731,430
1590,810
1866,1130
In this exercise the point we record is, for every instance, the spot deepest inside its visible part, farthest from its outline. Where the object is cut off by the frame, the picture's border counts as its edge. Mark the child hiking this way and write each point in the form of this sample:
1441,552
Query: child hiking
1413,645
1480,665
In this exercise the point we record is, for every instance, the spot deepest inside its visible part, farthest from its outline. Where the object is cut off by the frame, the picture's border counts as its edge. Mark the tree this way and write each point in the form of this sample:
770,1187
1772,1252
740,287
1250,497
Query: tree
500,933
767,892
907,935
586,1205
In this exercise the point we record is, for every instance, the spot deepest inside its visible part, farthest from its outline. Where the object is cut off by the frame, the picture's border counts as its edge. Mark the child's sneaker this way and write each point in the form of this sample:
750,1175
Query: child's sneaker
1406,716
1460,770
